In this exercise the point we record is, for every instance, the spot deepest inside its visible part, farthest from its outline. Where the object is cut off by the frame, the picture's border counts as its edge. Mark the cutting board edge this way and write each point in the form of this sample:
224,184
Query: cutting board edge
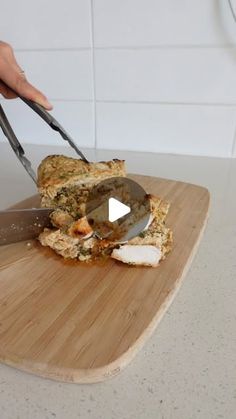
94,375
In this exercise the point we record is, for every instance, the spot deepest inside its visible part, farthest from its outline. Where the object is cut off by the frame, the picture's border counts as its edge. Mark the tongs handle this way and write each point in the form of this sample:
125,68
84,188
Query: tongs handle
54,124
17,147
9,133
46,116
15,144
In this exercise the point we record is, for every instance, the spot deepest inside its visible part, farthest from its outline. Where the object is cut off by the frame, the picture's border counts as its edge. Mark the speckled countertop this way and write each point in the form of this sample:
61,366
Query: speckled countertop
187,369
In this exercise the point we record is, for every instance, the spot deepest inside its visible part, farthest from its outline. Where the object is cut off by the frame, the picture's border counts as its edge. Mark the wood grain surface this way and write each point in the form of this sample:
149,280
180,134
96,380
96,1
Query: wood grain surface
83,323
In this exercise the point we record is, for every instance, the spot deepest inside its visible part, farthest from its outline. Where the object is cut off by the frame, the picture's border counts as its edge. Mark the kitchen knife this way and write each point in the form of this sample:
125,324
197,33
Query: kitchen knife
23,224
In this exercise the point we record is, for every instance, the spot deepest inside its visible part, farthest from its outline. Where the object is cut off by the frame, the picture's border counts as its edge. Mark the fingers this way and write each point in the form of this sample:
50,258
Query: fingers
25,89
6,92
12,80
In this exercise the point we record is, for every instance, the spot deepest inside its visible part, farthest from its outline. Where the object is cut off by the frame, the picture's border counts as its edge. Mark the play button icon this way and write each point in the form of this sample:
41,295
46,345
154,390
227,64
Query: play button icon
116,209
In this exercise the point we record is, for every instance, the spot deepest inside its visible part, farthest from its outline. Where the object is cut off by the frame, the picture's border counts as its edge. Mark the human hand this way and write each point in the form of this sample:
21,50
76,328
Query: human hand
13,81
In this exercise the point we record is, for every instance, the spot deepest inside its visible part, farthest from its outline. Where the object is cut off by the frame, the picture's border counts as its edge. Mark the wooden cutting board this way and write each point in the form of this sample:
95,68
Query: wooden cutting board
84,323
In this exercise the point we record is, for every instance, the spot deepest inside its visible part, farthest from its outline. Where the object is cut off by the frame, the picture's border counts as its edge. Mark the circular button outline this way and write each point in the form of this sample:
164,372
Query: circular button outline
126,191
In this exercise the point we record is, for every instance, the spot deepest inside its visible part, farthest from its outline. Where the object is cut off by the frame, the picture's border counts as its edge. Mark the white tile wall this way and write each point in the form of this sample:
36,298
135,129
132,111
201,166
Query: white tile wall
76,117
162,22
46,24
64,75
155,75
201,75
193,129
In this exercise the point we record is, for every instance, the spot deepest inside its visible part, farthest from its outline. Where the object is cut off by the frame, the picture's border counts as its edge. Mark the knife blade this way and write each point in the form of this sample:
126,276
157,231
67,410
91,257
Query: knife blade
23,224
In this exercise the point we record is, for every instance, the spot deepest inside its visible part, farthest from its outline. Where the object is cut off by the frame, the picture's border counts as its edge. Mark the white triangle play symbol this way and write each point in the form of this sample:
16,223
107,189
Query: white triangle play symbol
116,209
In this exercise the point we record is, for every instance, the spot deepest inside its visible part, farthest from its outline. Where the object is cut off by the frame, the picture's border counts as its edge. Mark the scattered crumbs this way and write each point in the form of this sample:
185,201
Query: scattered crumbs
37,225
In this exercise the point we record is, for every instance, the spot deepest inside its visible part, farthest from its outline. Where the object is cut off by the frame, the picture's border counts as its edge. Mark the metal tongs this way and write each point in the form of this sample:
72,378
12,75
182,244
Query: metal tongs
17,147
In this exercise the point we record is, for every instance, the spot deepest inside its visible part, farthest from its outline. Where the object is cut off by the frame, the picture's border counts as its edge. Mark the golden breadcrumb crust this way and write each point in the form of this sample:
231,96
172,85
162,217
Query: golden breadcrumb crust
65,183
59,171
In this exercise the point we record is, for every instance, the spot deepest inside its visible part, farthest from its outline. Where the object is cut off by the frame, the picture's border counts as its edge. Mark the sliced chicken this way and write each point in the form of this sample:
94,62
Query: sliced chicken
65,184
67,246
60,218
138,255
62,244
80,229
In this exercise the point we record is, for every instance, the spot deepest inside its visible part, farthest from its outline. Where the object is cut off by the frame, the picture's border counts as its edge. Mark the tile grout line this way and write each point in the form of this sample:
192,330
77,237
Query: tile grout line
128,47
166,46
141,102
62,49
166,103
94,74
233,151
233,148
